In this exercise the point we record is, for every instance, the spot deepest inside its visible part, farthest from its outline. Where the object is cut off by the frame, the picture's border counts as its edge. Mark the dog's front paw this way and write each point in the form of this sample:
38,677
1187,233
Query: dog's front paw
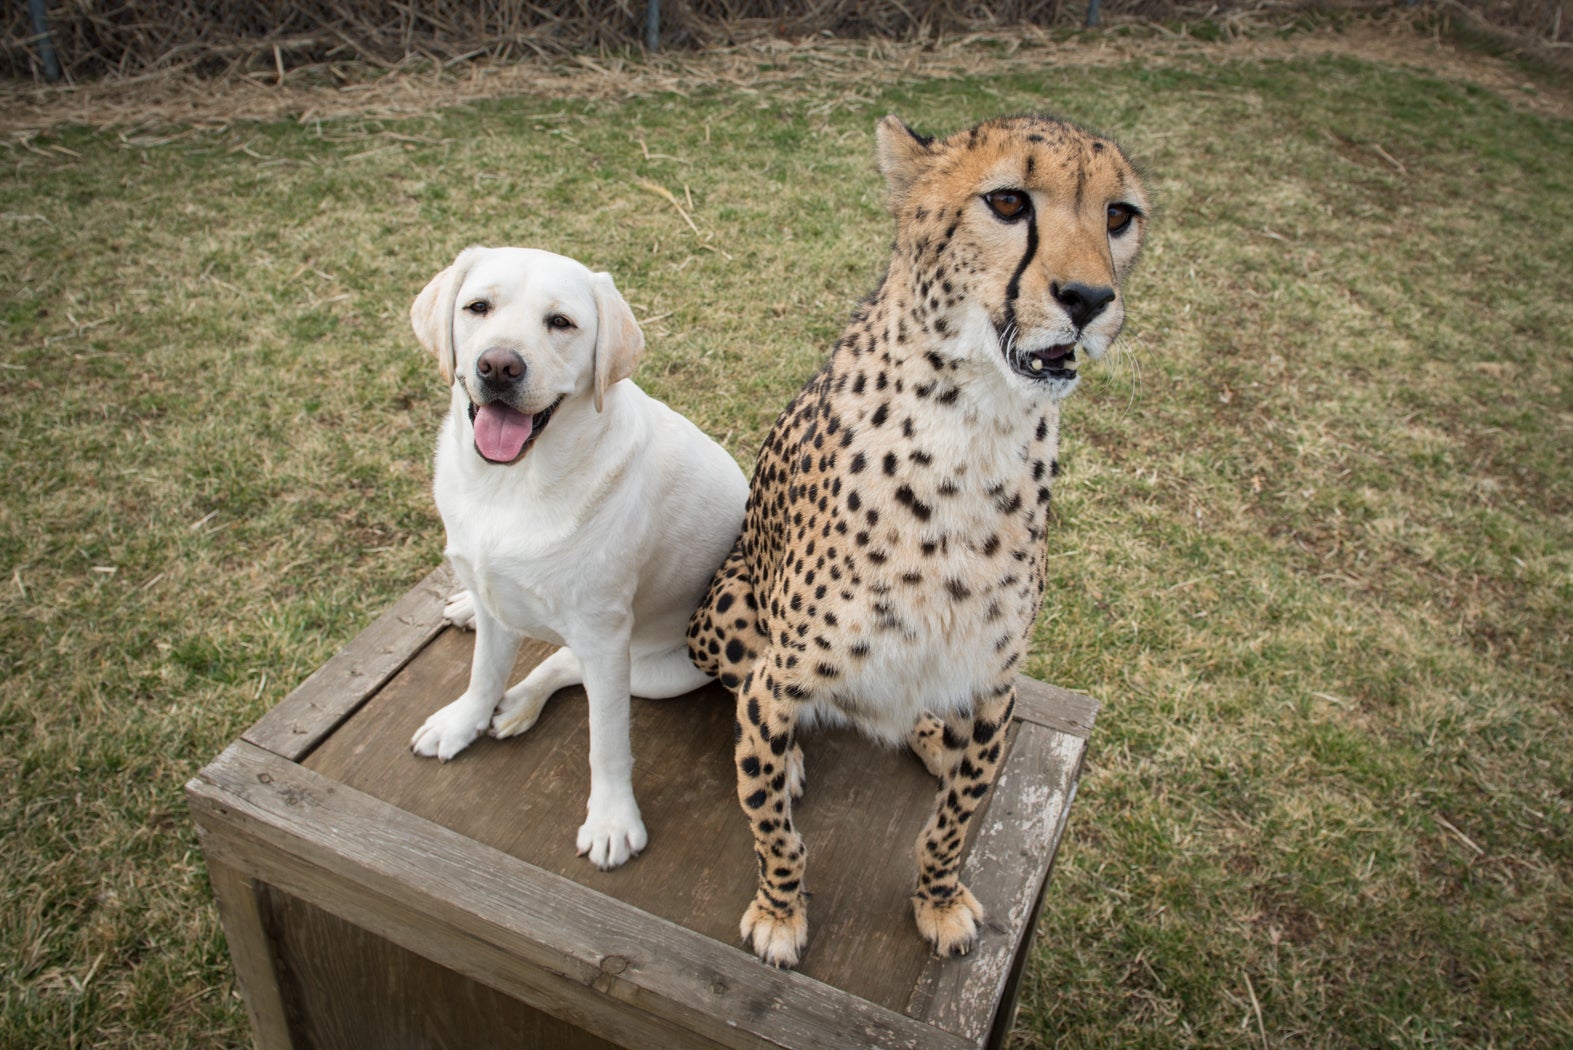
459,610
950,925
612,835
517,713
449,731
776,934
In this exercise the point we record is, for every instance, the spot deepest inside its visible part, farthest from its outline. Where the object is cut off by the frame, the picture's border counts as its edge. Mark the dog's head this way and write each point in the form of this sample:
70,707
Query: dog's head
520,331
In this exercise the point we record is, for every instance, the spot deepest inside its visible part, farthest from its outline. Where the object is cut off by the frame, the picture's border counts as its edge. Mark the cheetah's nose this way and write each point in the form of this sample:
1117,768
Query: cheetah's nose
1082,302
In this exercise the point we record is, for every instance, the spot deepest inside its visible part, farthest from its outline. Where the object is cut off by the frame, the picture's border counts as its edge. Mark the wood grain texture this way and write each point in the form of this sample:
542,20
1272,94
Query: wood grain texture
596,962
861,816
535,923
350,989
1006,867
1055,708
250,949
341,685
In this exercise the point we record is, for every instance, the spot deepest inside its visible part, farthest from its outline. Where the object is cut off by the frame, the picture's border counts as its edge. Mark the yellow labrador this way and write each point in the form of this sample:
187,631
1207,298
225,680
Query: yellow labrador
579,511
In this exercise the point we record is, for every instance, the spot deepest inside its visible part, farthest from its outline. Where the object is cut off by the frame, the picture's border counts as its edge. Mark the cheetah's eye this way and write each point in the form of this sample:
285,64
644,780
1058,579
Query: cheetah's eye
1009,205
1120,216
480,308
559,322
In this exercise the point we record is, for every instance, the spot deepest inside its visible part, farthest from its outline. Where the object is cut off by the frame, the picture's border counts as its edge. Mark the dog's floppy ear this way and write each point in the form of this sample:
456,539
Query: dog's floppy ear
431,314
618,338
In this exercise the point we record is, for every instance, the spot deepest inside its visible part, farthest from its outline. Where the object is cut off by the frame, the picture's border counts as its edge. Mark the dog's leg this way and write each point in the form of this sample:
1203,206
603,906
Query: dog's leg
769,774
664,674
655,676
947,913
613,830
523,704
459,609
451,729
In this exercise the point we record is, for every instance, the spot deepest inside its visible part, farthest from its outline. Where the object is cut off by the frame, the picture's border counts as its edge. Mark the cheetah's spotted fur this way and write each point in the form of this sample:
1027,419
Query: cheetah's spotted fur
892,557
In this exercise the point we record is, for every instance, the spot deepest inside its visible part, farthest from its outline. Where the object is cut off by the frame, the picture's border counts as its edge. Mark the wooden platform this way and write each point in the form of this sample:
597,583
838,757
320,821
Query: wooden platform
373,899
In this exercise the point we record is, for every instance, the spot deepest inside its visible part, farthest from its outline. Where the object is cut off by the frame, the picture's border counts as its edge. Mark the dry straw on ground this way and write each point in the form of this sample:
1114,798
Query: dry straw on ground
181,97
92,39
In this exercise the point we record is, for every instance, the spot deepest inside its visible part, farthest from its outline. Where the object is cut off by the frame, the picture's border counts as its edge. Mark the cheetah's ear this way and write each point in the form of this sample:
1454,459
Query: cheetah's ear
431,314
903,154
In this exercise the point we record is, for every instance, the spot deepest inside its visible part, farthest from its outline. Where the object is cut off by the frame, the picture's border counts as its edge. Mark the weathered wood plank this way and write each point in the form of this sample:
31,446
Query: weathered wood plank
338,687
864,809
1006,867
249,949
351,989
1055,708
601,964
409,922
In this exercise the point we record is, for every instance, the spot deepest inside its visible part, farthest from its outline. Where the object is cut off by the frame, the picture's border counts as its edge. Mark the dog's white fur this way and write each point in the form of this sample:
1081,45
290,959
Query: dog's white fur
601,539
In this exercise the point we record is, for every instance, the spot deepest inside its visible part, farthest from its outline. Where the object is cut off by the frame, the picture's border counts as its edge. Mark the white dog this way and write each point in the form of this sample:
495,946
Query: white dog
579,511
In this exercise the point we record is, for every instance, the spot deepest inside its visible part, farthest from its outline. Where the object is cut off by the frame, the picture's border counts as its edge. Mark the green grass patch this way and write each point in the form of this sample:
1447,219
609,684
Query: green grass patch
1311,545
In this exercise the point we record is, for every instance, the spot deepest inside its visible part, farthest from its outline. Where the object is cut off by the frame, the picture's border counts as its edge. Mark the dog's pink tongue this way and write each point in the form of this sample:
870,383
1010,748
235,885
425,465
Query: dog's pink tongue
500,432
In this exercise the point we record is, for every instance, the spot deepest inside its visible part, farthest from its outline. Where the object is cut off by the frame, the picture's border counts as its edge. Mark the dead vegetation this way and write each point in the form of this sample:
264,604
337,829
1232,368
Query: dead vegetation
93,39
184,100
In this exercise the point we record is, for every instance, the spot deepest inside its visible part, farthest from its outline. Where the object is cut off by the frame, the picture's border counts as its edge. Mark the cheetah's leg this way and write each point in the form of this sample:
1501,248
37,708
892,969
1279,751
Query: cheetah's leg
947,913
769,770
927,741
724,636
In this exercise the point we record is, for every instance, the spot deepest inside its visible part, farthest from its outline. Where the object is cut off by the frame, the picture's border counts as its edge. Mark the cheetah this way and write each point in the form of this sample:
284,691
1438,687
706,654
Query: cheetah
893,550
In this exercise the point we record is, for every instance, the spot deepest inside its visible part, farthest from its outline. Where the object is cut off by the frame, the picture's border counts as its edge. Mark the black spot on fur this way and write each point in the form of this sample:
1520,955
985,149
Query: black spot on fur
922,511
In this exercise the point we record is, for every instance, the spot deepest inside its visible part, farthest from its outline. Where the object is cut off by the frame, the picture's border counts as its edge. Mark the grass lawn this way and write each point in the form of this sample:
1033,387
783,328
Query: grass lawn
1312,544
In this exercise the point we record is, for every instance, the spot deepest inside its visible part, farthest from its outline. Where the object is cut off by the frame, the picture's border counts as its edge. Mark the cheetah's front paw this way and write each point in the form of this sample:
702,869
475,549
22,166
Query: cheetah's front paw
951,926
776,935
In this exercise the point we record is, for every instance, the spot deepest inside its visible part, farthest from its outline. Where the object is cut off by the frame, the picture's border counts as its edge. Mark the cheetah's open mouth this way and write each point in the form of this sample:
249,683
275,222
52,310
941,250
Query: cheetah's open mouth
503,434
1054,362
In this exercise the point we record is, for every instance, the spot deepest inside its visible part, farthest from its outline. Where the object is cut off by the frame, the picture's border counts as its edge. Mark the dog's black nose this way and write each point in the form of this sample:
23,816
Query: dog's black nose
1082,302
499,368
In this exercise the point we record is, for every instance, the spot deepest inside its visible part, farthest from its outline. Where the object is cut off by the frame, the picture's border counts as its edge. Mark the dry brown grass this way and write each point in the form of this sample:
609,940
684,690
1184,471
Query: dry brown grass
839,71
93,40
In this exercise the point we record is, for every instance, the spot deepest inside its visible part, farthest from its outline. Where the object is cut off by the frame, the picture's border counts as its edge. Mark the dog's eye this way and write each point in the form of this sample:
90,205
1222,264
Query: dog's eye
1120,216
559,322
1009,205
480,308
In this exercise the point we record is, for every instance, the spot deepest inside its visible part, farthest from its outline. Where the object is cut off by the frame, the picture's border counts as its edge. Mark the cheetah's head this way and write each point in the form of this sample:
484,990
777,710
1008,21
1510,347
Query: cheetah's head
1023,227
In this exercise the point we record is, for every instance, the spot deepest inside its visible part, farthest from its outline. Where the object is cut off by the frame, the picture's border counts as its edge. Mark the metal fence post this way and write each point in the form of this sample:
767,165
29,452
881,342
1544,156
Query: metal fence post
652,25
46,44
